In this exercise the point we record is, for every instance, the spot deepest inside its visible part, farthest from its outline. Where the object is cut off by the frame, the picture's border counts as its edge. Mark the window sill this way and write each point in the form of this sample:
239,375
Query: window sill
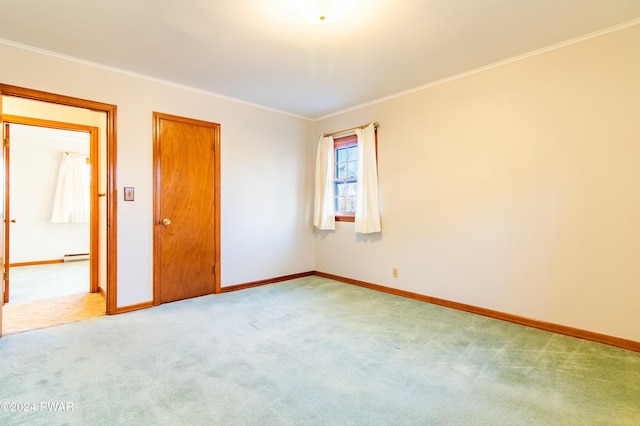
345,218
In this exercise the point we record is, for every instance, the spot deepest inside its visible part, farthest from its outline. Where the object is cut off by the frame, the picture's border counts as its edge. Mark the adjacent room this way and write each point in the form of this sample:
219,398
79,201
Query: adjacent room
354,213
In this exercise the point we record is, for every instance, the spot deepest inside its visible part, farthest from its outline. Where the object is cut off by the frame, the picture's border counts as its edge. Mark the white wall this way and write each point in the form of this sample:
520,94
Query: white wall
36,155
265,217
515,189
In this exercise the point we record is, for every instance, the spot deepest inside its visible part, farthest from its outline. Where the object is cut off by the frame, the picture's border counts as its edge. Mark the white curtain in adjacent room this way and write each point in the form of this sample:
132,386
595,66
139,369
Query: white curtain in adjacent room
367,218
71,202
324,208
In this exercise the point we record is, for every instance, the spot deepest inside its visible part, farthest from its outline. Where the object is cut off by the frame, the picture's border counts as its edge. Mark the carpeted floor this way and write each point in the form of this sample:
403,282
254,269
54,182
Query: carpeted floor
311,351
46,281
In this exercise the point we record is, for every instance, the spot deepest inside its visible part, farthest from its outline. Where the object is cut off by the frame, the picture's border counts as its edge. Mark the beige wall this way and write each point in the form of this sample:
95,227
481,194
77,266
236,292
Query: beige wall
266,228
516,189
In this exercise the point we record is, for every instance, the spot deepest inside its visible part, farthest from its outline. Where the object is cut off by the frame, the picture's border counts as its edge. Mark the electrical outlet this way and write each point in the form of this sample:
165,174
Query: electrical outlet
395,272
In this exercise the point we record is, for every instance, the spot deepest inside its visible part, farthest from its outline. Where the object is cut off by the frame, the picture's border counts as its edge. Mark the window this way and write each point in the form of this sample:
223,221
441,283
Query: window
346,177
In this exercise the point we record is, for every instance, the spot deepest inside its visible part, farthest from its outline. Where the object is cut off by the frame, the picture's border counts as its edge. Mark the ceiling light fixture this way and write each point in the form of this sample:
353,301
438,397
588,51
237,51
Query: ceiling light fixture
322,11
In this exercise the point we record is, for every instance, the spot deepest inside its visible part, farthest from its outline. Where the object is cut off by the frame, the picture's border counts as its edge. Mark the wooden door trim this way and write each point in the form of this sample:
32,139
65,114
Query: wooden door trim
157,117
6,158
3,129
111,118
93,155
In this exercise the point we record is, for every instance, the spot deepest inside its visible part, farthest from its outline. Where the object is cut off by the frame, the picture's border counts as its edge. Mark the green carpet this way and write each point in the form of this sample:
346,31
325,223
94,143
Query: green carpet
311,351
35,282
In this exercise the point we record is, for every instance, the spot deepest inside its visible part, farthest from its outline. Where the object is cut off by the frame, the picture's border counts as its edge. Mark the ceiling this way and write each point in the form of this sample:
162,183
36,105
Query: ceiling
264,53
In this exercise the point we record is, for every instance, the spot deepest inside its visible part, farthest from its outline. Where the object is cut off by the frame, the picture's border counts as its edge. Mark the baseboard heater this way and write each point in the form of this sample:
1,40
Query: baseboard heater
74,257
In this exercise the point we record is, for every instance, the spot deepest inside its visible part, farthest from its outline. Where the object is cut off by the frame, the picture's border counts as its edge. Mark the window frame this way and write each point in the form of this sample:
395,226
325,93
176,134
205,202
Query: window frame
338,143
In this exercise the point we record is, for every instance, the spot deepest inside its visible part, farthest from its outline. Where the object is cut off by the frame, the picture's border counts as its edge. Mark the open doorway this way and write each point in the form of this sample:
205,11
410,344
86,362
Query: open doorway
50,189
92,258
52,251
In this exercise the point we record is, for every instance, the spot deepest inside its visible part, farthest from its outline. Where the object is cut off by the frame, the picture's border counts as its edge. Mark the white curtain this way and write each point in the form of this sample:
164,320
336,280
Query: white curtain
71,202
323,209
367,218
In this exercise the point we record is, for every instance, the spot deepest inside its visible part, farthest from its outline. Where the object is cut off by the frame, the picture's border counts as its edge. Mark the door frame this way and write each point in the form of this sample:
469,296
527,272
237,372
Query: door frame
94,250
111,193
157,218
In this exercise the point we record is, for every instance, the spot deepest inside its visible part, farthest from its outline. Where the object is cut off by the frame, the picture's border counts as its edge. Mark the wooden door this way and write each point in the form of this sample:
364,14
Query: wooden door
187,209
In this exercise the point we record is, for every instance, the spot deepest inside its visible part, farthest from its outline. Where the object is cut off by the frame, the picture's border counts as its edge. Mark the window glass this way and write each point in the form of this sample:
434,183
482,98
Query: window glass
346,173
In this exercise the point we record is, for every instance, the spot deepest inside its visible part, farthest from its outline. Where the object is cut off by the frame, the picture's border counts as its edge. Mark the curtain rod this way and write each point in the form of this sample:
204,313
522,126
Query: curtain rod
326,135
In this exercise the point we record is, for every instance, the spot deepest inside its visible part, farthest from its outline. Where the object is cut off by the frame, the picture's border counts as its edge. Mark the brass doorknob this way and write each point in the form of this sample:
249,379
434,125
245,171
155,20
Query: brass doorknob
13,221
166,222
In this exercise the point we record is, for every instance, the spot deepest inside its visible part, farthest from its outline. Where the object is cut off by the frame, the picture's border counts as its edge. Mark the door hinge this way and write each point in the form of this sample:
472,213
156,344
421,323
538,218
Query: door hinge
5,276
214,269
5,142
